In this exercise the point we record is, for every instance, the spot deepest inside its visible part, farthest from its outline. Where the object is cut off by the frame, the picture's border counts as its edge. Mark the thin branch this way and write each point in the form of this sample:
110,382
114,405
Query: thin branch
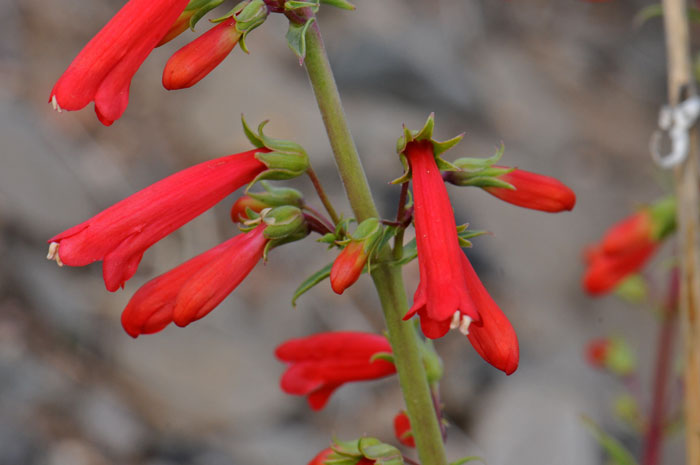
322,195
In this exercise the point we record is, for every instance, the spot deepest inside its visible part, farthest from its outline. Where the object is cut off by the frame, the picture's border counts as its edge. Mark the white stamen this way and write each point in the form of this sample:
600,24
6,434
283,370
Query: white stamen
455,320
53,253
55,105
464,326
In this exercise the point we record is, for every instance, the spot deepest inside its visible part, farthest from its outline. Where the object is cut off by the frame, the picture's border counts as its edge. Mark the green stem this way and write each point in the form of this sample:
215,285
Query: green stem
322,195
387,278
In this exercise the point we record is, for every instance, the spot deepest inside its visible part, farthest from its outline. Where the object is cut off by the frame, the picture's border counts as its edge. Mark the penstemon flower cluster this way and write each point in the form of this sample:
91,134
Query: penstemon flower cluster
450,295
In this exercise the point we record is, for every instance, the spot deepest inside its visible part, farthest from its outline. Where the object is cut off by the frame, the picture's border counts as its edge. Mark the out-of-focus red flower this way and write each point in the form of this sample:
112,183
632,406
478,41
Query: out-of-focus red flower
195,60
193,289
627,246
347,267
320,364
121,234
534,191
402,429
103,69
442,297
597,352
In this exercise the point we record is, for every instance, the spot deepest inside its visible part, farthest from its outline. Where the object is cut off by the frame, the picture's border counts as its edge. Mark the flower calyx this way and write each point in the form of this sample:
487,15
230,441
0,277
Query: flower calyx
284,224
198,8
362,451
663,217
425,135
249,15
286,159
480,172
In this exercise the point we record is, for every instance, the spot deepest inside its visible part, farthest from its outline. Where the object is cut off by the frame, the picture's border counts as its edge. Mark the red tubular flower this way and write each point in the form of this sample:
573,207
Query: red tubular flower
193,289
120,234
627,246
347,267
534,191
494,338
402,429
321,363
442,299
194,61
102,71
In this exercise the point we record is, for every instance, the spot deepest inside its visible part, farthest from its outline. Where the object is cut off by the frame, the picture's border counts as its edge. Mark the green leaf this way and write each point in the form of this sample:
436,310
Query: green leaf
311,281
343,4
619,455
296,38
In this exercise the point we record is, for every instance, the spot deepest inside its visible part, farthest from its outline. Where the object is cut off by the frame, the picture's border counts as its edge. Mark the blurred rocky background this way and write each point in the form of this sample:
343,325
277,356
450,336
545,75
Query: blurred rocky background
571,88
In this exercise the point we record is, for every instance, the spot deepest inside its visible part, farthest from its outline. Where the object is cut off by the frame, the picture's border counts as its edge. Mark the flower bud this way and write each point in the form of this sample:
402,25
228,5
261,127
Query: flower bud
402,429
258,201
349,264
195,60
240,209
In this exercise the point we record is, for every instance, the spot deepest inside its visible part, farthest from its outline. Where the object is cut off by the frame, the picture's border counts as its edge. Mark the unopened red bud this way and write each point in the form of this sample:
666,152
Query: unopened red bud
611,354
402,429
597,351
534,191
348,267
239,211
195,60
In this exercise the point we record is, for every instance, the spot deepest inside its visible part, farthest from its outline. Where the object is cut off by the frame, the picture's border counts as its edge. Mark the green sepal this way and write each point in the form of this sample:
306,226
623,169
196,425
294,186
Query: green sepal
464,460
232,12
328,238
252,137
202,7
347,448
286,160
291,5
296,38
386,356
663,216
251,16
282,221
278,196
311,281
439,147
473,164
343,4
618,453
381,453
464,234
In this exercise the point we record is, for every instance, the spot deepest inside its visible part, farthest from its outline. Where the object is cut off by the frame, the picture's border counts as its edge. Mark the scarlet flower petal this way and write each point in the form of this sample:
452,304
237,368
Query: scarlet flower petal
196,60
191,290
120,234
534,191
103,69
321,363
494,339
402,429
